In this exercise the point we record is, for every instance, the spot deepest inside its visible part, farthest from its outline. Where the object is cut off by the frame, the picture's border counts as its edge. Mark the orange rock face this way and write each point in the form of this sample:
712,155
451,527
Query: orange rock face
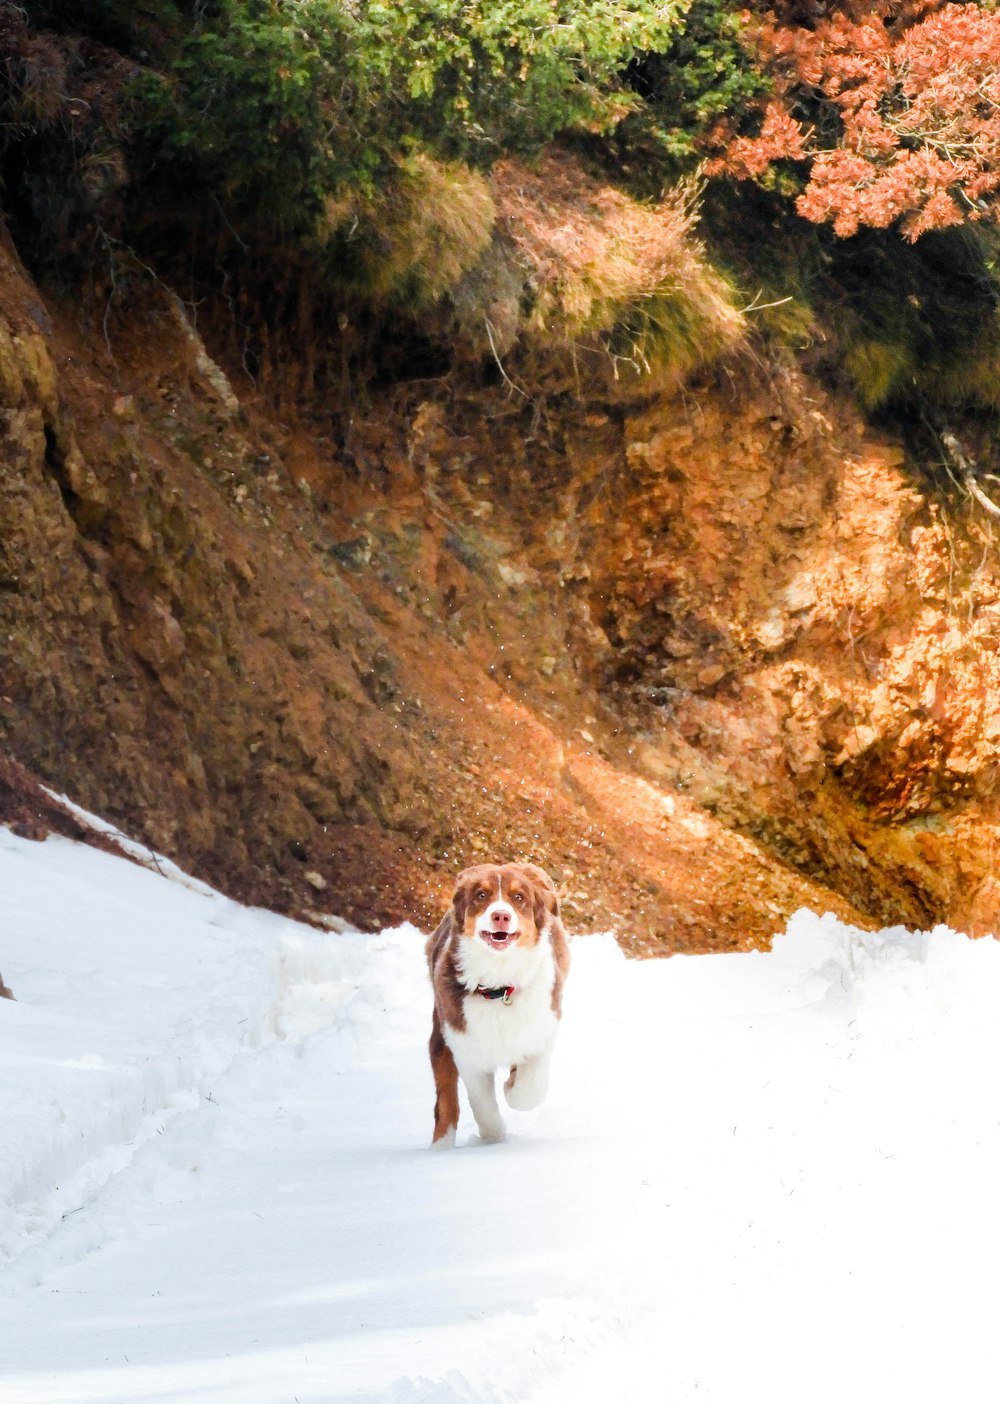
705,659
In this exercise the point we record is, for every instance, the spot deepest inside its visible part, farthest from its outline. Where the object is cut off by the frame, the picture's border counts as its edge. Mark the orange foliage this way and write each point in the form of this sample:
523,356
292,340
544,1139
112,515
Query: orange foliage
895,106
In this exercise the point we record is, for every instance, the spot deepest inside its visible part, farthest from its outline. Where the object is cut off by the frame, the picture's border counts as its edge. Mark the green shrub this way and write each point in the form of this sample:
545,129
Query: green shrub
704,74
275,107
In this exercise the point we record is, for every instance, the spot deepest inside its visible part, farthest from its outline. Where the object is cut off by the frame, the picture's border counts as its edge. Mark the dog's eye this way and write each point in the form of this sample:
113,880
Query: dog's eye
480,895
519,897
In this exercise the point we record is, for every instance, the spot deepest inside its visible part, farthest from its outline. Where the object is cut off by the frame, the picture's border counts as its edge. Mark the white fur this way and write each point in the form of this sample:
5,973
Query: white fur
532,1083
485,922
499,1035
481,1087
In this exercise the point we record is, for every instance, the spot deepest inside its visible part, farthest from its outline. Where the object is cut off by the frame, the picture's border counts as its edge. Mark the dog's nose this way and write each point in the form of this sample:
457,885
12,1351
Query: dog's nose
501,918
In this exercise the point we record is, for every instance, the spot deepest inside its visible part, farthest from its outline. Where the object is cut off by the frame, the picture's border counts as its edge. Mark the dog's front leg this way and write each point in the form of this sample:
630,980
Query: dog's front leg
528,1083
481,1087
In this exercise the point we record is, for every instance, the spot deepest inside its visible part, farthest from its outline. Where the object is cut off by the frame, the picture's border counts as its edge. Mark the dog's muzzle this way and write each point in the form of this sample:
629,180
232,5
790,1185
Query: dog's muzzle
498,937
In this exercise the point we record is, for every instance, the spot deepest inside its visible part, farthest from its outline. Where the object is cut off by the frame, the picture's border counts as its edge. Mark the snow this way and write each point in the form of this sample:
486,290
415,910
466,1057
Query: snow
757,1176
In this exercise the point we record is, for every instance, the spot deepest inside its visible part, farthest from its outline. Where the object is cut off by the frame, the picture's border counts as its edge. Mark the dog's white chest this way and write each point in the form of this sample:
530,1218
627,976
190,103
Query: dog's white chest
497,1034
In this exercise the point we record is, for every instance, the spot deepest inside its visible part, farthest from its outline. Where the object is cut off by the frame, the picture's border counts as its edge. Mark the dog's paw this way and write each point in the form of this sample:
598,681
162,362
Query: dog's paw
444,1142
493,1135
526,1094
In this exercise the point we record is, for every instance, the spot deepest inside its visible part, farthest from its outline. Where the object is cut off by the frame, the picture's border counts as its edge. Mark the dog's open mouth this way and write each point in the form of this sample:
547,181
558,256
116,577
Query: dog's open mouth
498,938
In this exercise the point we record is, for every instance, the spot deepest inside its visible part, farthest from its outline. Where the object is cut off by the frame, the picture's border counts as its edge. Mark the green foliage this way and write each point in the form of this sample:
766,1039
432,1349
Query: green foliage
273,107
704,74
256,112
507,75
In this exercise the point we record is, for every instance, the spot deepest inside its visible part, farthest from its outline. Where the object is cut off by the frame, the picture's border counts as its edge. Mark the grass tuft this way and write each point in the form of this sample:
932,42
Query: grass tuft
609,274
878,370
420,234
35,74
569,277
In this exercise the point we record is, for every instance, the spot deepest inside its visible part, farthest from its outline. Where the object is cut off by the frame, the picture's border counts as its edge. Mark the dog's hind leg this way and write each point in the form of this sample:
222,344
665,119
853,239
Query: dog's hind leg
446,1086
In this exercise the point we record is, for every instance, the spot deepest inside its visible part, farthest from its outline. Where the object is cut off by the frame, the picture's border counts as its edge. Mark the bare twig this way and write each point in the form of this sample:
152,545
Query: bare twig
496,356
113,272
967,472
755,306
962,467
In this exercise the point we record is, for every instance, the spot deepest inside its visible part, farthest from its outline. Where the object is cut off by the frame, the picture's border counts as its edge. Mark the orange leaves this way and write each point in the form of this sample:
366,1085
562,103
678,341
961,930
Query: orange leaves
781,139
895,107
850,190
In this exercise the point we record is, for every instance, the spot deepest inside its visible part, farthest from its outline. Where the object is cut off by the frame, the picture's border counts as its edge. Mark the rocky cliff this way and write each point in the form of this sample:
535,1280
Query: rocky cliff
707,656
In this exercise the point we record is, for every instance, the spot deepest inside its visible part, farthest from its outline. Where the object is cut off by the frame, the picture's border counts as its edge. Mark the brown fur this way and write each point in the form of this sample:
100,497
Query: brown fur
5,991
533,895
445,1083
560,950
449,992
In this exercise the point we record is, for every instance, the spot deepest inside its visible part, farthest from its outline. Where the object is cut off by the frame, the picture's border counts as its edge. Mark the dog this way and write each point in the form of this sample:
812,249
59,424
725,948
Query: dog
498,962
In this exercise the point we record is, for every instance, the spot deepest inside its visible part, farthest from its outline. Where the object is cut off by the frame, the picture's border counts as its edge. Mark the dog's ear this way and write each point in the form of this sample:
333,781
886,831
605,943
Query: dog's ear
537,874
465,885
460,900
546,897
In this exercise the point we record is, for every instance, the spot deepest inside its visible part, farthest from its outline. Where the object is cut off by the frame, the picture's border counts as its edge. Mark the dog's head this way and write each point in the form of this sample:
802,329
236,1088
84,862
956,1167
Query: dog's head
505,904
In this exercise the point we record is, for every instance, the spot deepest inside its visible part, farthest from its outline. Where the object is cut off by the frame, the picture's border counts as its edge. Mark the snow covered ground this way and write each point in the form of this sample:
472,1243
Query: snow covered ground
757,1178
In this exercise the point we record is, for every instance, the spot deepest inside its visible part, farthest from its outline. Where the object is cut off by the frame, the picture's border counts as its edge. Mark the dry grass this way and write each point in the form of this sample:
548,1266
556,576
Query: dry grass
543,267
436,224
607,274
36,71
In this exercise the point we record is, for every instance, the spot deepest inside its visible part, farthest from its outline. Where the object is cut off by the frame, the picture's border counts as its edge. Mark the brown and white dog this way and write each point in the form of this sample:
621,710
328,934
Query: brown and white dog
498,963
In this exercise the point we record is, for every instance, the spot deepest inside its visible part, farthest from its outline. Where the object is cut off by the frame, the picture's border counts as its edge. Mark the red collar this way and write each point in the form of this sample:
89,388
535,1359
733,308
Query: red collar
503,992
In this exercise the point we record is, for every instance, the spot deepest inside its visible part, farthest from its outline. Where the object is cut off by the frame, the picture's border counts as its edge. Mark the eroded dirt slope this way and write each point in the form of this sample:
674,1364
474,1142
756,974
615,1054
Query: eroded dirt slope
707,659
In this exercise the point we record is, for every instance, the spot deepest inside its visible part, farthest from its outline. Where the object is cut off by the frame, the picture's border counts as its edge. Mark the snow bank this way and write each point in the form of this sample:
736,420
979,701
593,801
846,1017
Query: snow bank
132,994
758,1176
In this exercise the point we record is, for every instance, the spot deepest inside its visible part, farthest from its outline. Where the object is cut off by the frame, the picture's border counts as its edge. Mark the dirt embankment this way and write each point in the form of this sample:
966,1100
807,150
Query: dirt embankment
707,660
